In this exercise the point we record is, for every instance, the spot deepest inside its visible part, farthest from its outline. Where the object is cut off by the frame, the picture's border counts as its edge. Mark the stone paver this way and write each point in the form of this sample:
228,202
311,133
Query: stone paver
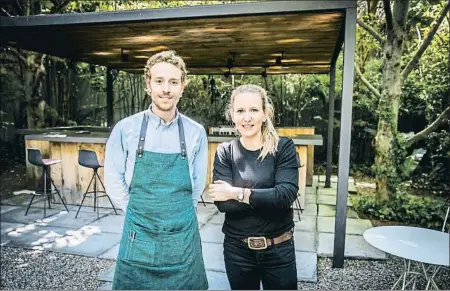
204,214
213,257
306,266
326,191
212,233
111,223
217,281
219,218
7,208
107,275
305,241
111,254
308,223
34,214
330,211
311,198
6,227
353,226
310,210
355,247
67,219
329,200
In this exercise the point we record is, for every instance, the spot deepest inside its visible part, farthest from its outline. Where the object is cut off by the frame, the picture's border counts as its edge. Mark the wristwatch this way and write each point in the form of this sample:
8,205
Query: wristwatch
240,196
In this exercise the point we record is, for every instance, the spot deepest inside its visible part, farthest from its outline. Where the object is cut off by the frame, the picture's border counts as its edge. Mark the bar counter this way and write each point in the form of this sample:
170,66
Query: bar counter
73,179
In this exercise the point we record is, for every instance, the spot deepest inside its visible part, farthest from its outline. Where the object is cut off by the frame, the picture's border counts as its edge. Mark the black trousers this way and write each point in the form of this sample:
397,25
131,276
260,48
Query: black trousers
275,266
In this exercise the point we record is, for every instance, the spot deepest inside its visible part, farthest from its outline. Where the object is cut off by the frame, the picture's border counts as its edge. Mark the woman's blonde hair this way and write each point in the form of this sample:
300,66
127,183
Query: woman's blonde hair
269,135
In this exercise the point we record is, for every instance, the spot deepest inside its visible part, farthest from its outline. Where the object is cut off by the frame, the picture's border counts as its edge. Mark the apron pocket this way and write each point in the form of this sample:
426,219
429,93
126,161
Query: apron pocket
178,248
140,247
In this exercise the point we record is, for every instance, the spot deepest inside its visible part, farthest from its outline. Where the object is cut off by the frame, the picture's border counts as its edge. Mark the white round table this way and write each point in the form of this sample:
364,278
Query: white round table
422,245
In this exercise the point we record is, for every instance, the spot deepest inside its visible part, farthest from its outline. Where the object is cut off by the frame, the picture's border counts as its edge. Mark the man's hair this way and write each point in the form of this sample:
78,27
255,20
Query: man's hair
170,57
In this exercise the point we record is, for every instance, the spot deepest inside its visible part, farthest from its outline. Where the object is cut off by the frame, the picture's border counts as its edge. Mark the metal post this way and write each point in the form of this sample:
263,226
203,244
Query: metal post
345,135
109,97
330,126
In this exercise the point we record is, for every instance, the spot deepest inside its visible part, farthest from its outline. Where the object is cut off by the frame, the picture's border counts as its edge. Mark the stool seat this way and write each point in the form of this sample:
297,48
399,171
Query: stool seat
49,162
35,158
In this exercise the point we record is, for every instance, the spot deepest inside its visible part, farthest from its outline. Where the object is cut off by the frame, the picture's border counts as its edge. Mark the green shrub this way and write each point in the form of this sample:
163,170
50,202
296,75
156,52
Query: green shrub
422,211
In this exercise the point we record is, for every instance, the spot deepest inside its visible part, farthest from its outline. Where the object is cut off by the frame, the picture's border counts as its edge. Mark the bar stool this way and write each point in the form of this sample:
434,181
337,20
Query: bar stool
35,158
89,159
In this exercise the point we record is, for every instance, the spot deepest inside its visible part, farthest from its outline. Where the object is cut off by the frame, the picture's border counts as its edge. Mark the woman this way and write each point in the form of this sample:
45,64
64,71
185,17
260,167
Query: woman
255,184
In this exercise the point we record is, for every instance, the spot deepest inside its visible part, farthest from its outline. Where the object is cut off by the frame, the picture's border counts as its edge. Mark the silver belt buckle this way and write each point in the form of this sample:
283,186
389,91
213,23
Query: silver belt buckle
257,243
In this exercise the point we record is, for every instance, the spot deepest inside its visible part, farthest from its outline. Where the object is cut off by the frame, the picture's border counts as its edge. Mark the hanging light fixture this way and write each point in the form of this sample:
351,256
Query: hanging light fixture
123,56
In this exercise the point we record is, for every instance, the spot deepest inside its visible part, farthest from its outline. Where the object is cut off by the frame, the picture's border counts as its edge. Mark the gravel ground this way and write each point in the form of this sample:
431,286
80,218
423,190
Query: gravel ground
365,275
30,269
38,270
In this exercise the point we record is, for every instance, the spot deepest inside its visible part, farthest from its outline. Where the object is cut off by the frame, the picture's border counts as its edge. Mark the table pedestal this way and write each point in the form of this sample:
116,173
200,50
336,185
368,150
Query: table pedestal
409,277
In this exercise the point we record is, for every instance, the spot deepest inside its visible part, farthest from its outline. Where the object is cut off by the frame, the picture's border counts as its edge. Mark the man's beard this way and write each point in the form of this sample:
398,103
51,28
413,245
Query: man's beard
163,109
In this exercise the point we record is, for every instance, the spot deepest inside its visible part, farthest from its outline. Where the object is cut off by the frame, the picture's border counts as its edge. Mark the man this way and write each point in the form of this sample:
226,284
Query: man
155,170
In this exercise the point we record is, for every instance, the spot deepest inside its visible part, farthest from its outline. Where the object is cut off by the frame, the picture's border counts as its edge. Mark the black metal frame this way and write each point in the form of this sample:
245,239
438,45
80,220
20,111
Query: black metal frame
94,178
44,176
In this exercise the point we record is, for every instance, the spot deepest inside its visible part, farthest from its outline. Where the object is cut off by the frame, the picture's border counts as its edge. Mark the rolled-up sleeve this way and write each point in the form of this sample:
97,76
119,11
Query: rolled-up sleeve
200,164
284,193
115,166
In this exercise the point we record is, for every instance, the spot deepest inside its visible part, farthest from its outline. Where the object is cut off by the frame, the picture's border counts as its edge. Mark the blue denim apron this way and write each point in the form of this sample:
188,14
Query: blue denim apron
160,246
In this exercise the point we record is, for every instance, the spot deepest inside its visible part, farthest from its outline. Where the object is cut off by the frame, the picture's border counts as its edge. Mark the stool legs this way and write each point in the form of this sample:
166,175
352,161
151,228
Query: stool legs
112,204
95,192
47,192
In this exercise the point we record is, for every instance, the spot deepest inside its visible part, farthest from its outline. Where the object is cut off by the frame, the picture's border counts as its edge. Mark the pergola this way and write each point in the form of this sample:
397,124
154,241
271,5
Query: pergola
265,38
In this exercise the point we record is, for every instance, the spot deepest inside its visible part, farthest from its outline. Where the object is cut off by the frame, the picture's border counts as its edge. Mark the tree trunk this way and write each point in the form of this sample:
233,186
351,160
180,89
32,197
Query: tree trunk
386,138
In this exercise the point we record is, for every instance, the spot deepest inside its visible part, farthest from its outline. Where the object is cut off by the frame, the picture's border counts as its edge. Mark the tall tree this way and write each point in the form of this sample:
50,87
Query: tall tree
394,74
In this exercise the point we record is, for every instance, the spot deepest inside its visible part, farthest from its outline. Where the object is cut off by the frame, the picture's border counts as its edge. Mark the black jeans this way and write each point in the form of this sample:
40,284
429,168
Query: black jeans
275,266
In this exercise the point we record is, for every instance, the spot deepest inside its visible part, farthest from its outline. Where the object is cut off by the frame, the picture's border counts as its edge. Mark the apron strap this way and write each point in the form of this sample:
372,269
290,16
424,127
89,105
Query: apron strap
182,139
142,135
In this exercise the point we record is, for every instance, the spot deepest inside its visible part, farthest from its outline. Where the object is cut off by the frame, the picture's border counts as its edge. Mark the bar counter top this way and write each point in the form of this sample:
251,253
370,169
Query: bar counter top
86,136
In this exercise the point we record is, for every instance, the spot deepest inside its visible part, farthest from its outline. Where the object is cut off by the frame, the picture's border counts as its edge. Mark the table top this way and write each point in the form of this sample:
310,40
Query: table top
413,243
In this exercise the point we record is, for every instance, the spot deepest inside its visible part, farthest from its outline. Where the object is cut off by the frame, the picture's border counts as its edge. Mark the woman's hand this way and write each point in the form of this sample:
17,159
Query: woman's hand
222,191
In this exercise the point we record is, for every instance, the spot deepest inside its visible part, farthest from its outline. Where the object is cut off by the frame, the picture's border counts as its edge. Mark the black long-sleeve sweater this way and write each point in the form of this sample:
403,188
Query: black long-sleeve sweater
273,183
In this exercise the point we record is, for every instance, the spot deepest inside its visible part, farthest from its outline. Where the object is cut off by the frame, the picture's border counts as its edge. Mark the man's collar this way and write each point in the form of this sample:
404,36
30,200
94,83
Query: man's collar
157,121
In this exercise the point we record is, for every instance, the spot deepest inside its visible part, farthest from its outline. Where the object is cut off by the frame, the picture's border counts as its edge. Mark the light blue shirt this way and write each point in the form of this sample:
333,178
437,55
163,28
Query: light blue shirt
120,154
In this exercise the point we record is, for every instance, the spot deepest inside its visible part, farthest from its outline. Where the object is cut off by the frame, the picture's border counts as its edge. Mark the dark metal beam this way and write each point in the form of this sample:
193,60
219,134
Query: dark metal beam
109,98
345,137
330,126
176,13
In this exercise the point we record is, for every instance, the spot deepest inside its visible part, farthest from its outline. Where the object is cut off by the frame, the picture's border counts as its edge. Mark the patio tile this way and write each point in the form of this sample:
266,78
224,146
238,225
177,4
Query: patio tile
18,215
105,286
86,242
217,281
35,236
6,227
213,257
353,226
107,275
355,247
329,200
306,266
111,223
111,254
7,208
308,223
219,218
67,219
305,241
311,199
311,190
204,214
310,210
212,233
330,211
326,191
